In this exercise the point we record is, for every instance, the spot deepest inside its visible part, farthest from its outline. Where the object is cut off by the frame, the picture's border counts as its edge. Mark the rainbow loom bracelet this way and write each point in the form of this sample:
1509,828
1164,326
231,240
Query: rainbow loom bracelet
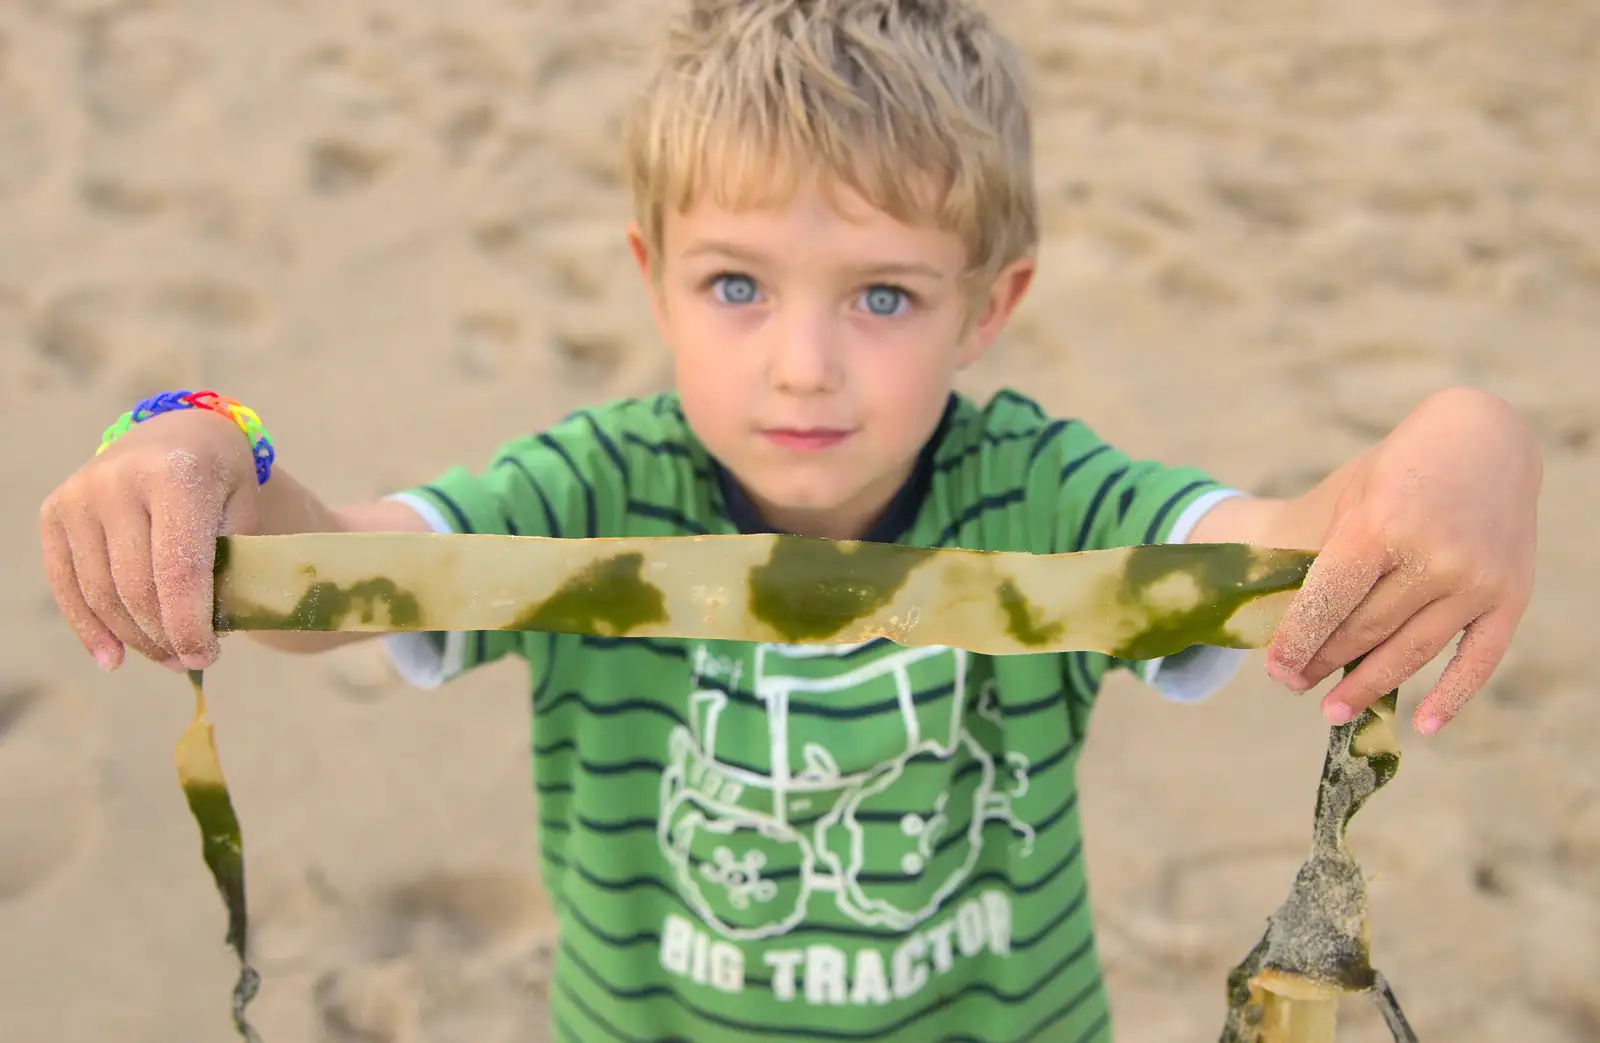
244,416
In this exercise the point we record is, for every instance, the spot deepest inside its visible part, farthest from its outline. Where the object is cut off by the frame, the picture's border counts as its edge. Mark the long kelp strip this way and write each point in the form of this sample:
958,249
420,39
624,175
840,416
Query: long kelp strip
1134,603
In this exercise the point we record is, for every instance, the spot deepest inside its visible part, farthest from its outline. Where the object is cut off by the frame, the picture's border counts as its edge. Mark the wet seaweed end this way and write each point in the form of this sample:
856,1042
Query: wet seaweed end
1316,947
221,844
811,589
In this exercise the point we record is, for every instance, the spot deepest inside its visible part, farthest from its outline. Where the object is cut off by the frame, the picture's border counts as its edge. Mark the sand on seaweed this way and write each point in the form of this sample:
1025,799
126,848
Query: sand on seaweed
1270,228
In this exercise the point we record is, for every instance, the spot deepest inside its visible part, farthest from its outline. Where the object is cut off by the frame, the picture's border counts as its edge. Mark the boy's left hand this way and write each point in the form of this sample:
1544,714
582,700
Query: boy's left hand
1433,534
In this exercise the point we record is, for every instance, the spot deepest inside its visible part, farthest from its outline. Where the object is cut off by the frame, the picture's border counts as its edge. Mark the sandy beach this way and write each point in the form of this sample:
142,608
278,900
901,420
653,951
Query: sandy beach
395,229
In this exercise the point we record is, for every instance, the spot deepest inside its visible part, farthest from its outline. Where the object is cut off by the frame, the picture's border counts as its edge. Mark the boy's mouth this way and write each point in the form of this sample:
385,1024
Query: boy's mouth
805,439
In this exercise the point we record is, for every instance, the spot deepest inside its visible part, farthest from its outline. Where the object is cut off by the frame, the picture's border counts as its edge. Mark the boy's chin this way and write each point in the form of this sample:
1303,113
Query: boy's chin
808,498
813,505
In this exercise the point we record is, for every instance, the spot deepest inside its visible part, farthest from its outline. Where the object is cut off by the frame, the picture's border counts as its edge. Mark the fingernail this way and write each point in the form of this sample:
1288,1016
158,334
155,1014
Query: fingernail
106,659
1338,713
1286,677
198,661
1430,724
175,665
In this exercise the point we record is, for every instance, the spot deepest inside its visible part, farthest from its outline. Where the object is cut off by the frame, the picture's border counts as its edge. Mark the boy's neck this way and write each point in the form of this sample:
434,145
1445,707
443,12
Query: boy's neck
889,524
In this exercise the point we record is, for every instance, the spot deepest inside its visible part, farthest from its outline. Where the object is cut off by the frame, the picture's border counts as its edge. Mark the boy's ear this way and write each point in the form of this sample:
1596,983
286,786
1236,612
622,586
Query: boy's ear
652,285
995,307
640,251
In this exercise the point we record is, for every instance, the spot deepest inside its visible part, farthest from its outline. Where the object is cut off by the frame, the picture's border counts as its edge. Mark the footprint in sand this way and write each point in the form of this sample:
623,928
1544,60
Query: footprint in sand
596,331
1264,204
1199,898
590,357
47,788
21,372
337,166
24,139
487,344
142,339
445,958
1367,386
130,74
127,186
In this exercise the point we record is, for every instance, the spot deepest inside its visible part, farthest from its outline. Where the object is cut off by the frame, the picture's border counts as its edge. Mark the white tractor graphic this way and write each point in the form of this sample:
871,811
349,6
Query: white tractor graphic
837,806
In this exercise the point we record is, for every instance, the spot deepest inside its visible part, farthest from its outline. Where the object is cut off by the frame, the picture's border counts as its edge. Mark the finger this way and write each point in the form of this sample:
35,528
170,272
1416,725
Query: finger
1483,645
96,637
183,531
1341,576
91,562
1398,596
1398,659
128,551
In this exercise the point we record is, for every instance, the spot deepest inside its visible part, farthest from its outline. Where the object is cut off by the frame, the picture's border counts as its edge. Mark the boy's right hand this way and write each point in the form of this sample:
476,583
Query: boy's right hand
130,538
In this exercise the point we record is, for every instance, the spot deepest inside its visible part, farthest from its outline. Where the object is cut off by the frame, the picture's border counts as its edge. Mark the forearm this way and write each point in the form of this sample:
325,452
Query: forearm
1303,522
288,507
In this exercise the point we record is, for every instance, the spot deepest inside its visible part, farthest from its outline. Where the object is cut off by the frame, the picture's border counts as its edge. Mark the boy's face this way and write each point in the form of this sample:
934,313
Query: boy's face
815,347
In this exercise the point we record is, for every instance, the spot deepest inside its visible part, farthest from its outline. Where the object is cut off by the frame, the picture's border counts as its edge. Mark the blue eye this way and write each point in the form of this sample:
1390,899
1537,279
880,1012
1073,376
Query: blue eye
885,301
734,289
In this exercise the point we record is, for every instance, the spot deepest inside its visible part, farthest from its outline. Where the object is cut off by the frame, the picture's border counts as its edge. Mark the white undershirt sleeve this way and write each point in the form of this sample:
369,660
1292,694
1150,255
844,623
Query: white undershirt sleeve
426,660
1195,673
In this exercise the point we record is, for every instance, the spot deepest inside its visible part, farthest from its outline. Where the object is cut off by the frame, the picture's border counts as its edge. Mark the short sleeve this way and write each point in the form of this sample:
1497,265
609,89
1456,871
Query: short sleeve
1104,498
1099,497
558,483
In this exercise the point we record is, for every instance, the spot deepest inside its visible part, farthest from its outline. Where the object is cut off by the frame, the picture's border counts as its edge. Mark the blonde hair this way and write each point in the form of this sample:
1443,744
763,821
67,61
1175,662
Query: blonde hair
917,105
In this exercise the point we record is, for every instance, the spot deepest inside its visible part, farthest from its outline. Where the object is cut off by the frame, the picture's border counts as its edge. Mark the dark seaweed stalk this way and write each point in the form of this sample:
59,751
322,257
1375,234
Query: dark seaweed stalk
200,774
1389,1007
1316,947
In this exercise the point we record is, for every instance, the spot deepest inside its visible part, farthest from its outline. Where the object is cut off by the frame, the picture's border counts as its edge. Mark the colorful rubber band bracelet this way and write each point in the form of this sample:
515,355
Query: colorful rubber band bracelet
171,401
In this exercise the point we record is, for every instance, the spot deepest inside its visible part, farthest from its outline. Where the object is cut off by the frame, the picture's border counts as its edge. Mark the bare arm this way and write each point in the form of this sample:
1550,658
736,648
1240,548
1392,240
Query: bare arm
1294,524
289,507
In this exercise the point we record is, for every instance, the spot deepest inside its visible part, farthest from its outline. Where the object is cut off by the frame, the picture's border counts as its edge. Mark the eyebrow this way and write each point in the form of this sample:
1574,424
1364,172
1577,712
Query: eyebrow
736,252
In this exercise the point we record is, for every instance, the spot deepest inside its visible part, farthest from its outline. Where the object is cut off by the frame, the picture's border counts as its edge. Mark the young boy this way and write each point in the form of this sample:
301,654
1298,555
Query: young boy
834,215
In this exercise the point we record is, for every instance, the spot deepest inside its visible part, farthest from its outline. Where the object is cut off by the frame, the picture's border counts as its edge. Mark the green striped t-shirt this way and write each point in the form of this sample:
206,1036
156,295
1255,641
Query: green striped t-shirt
770,842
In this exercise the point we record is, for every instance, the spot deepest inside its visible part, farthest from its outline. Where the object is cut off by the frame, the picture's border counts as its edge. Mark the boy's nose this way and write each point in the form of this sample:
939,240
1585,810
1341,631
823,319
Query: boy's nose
805,355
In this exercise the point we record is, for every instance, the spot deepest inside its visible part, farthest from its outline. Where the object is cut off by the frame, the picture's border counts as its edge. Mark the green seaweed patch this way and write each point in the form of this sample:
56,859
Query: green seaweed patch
220,846
1384,767
325,605
608,598
811,589
1222,571
1023,620
1342,758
